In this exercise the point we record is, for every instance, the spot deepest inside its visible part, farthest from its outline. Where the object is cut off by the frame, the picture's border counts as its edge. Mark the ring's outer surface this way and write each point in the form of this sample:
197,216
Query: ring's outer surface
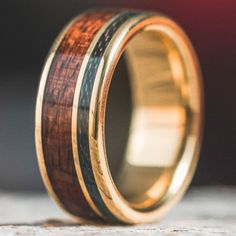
70,115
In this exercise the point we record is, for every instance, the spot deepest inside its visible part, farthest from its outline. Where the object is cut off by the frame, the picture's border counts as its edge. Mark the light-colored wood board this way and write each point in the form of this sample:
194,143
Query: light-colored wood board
203,211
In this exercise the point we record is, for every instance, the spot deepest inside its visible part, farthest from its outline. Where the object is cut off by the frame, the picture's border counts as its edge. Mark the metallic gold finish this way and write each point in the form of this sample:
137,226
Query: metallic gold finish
165,131
182,159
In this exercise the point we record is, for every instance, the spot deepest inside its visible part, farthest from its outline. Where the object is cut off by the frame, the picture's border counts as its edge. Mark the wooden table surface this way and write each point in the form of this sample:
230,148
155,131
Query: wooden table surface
203,211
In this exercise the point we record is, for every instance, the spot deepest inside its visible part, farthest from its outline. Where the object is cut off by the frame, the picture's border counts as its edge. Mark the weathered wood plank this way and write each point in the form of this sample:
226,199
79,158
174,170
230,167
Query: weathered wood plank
204,211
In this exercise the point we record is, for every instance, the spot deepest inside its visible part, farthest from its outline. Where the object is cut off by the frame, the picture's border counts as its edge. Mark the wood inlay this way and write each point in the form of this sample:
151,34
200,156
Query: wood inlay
57,111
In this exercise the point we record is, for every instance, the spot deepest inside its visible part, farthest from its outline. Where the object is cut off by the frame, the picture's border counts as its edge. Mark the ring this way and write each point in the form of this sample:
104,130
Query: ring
166,116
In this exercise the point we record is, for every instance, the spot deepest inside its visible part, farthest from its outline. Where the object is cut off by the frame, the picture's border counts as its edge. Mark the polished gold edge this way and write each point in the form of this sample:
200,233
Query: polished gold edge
38,117
75,115
97,147
108,191
191,63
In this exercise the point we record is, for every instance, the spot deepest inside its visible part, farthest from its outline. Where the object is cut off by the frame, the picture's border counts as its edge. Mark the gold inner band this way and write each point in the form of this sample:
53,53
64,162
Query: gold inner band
163,112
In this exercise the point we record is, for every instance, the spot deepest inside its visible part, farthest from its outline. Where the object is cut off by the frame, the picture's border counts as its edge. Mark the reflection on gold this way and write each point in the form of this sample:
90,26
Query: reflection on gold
166,115
164,105
156,132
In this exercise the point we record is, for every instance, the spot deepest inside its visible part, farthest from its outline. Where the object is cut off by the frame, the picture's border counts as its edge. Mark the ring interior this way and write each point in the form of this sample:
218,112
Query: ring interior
161,119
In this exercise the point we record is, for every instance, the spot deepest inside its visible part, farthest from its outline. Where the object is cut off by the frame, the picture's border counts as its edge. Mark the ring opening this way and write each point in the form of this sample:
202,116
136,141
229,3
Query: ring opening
153,103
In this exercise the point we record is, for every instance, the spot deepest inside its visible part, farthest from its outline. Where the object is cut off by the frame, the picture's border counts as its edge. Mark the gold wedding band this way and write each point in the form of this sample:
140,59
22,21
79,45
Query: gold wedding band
165,131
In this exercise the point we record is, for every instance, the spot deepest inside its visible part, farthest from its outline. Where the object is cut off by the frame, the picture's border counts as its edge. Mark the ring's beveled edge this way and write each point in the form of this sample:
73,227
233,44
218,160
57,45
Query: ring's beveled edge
54,108
113,200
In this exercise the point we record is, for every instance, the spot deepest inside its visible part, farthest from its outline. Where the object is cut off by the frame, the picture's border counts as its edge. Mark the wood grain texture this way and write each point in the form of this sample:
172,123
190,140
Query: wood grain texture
57,111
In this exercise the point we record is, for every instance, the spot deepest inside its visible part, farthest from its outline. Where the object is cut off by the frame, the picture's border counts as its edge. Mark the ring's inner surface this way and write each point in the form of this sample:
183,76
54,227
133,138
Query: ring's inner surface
156,134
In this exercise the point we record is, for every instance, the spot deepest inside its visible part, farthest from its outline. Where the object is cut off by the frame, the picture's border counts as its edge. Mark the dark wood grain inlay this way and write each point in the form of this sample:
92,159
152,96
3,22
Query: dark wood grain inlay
57,111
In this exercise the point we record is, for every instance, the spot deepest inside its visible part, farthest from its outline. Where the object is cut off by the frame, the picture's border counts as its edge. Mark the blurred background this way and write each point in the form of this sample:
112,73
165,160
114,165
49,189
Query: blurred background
28,29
